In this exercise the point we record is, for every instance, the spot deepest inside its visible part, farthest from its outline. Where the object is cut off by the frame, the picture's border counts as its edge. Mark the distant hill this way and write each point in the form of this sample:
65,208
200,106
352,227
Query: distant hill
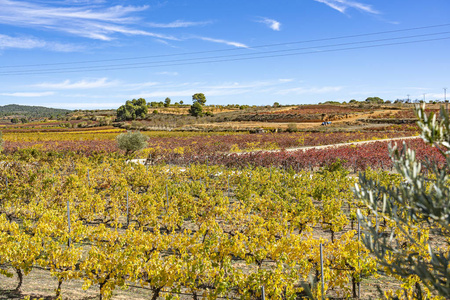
33,112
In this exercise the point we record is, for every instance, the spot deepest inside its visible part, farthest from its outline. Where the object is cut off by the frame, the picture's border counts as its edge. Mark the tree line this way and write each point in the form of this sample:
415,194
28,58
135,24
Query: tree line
31,112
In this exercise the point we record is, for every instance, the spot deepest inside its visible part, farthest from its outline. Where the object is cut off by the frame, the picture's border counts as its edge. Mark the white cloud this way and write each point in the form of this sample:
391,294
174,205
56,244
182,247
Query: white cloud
229,43
168,73
137,86
81,2
248,85
82,84
28,94
312,90
343,5
178,24
19,42
92,19
84,105
33,43
434,96
85,20
165,93
272,24
416,88
104,29
222,89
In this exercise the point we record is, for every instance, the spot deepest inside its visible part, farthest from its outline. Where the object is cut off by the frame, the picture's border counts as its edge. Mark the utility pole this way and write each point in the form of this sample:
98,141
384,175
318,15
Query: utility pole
424,98
445,99
408,98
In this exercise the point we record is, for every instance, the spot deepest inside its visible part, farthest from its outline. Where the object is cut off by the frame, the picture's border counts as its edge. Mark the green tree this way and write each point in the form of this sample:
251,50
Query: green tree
198,101
199,98
131,141
376,100
132,110
420,202
196,110
181,102
167,102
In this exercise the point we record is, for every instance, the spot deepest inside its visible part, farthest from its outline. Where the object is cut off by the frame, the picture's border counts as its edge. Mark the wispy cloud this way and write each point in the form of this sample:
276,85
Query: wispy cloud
20,42
82,84
433,96
28,94
220,41
178,24
222,89
137,86
92,19
343,5
32,43
310,90
272,24
168,73
247,85
85,20
84,105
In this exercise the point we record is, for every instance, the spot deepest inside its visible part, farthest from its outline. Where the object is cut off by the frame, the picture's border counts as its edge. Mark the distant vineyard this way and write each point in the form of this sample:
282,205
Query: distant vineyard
320,109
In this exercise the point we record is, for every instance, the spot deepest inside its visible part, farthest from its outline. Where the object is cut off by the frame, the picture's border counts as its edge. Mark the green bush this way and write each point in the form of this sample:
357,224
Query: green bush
131,141
336,166
292,127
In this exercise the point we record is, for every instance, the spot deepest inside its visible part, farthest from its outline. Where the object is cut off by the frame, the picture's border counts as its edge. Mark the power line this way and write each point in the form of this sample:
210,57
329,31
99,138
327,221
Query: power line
225,60
94,68
231,49
228,60
189,62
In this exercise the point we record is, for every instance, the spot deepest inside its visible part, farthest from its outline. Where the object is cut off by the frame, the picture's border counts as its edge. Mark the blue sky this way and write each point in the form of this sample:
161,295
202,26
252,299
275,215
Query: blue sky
88,54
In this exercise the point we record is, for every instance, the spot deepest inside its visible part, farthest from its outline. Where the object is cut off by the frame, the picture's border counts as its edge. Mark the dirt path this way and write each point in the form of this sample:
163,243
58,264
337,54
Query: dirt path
332,145
255,124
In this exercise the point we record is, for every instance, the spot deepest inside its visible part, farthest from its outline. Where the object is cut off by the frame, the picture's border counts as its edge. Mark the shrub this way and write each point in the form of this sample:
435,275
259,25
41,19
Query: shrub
336,166
136,124
413,207
292,127
131,141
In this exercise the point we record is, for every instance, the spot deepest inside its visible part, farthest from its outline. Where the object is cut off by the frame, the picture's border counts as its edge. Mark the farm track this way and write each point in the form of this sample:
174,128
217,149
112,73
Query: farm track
330,146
